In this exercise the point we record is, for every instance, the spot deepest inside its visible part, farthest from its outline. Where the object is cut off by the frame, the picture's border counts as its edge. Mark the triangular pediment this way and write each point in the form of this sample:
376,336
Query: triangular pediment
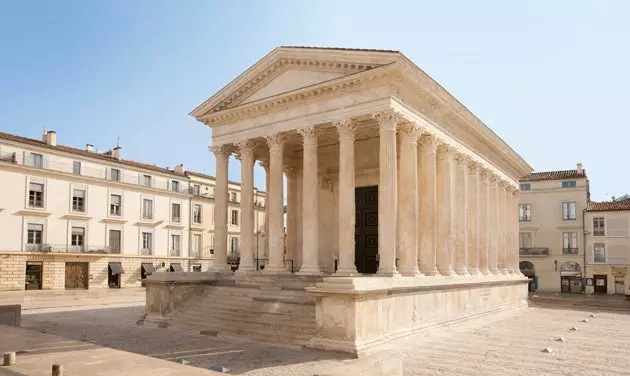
287,69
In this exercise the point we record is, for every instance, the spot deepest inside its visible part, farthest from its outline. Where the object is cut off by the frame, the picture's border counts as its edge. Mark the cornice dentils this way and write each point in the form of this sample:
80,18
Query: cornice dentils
346,128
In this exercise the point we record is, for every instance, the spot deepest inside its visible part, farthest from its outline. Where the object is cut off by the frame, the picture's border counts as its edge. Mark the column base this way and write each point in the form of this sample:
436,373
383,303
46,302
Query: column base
462,272
446,272
387,272
275,269
244,270
346,273
474,272
484,271
431,272
309,270
413,272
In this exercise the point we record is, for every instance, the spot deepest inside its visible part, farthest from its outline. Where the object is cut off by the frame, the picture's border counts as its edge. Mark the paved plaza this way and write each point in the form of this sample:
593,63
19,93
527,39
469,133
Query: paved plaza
506,344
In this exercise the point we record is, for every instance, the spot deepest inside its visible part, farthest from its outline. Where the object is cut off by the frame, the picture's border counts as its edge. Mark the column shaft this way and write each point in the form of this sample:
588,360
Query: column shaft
472,217
276,207
515,231
222,154
502,228
387,202
493,233
408,201
265,253
483,241
310,216
427,198
246,150
461,246
445,244
291,217
346,265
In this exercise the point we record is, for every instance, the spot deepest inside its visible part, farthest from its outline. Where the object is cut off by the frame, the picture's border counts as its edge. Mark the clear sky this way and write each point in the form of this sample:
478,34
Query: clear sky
550,77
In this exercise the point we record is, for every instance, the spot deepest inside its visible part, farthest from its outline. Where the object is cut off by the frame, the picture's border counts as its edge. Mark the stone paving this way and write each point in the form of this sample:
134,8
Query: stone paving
506,344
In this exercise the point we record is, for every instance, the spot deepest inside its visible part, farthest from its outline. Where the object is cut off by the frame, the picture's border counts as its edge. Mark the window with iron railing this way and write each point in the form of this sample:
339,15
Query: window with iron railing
524,212
569,243
568,211
34,235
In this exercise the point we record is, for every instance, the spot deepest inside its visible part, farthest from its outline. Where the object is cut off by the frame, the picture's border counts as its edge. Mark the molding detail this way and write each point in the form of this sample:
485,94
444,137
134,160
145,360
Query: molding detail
346,128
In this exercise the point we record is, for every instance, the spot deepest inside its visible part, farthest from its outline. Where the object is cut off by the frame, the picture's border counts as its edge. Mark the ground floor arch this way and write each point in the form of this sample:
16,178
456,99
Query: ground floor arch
528,270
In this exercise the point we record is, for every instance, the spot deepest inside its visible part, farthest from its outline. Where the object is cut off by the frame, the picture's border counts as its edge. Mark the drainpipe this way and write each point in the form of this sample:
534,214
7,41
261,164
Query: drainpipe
584,246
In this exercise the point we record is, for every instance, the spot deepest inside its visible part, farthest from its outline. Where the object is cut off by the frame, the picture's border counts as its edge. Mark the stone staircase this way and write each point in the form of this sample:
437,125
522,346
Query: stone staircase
260,308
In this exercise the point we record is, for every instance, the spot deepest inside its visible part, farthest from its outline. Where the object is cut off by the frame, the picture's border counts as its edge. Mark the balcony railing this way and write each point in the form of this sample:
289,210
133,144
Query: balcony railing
569,251
534,251
67,248
47,163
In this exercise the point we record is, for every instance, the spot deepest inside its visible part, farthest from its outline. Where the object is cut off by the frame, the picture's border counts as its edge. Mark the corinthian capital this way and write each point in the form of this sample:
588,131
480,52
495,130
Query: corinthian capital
309,132
445,149
408,132
265,165
289,171
473,167
221,151
516,193
461,159
484,175
387,119
275,141
346,128
246,148
427,142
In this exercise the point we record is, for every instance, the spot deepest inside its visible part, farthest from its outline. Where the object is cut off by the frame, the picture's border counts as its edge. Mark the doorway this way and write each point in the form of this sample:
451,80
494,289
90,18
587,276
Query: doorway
77,274
600,283
620,285
114,241
34,278
114,272
366,229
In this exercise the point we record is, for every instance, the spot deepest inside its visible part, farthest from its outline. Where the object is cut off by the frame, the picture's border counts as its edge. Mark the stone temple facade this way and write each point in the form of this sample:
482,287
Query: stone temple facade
401,204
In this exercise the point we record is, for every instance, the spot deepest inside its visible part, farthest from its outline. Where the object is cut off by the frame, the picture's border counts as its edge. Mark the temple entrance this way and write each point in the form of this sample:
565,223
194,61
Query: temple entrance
366,230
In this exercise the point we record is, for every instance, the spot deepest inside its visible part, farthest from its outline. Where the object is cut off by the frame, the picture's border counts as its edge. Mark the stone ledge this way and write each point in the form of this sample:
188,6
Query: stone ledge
183,278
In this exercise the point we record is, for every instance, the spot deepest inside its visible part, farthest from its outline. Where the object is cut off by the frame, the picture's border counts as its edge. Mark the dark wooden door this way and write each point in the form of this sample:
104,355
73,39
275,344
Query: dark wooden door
600,283
77,274
114,241
366,229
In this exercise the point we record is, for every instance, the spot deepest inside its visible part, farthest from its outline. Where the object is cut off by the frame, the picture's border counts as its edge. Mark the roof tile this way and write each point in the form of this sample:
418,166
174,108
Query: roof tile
554,175
608,205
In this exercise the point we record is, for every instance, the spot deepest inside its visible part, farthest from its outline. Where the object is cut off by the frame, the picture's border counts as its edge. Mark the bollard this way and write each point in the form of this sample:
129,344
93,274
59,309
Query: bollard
9,358
57,370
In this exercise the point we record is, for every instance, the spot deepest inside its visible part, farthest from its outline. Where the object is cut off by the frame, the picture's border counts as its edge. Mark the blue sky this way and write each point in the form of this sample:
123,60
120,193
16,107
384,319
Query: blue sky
549,77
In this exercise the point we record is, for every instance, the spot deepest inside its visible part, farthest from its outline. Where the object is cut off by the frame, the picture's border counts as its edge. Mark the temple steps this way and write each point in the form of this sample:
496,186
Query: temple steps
258,310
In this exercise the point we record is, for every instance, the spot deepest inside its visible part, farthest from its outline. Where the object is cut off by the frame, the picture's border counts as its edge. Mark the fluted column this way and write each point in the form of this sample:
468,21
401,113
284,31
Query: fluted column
472,218
482,234
408,201
346,129
509,231
460,183
515,233
291,215
493,233
445,240
310,216
246,151
221,154
427,198
502,228
265,166
276,207
387,209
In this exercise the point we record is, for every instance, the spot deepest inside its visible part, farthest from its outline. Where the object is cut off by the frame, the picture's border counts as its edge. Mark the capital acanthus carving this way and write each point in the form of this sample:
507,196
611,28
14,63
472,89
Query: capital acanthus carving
428,142
473,167
346,128
492,178
408,132
461,159
275,141
445,149
387,119
246,147
503,184
265,165
516,193
221,151
290,171
484,175
309,132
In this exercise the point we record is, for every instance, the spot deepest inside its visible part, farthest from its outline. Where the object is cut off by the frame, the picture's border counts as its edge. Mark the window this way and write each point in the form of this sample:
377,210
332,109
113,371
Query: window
36,195
34,236
115,202
525,187
196,189
599,252
78,200
146,180
114,241
569,243
37,160
76,168
196,245
197,213
175,186
525,212
174,246
114,174
598,226
235,217
147,243
568,184
233,197
147,209
525,240
234,246
568,210
77,239
175,213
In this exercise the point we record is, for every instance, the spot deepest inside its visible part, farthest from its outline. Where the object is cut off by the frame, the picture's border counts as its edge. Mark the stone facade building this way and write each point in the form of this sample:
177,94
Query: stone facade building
401,204
551,225
77,218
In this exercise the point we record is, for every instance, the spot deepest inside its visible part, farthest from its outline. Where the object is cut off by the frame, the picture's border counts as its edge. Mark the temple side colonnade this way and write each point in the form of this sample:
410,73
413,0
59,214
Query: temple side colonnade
441,210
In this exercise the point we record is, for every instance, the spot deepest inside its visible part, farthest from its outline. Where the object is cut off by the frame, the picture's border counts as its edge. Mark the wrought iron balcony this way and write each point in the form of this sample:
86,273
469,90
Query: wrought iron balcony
67,248
538,251
570,251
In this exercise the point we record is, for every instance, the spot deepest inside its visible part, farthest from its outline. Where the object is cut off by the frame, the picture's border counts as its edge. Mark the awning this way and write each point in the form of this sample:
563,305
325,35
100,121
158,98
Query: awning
177,267
148,268
116,268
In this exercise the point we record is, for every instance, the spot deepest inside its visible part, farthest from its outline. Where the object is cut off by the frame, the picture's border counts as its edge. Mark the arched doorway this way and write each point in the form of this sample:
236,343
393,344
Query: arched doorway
571,277
528,270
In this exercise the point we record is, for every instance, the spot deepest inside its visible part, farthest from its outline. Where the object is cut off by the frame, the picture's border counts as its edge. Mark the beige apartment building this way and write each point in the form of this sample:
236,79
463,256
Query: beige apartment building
607,226
79,218
551,238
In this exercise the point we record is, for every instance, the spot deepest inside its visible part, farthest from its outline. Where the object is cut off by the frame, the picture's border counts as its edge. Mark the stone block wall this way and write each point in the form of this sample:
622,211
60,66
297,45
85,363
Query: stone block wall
12,272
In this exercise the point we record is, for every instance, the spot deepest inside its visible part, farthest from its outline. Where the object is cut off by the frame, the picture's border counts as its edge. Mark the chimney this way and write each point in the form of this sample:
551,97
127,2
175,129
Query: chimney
180,169
50,138
116,152
89,147
580,169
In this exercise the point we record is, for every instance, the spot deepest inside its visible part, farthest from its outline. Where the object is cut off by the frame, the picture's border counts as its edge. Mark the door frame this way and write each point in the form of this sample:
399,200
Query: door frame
597,289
